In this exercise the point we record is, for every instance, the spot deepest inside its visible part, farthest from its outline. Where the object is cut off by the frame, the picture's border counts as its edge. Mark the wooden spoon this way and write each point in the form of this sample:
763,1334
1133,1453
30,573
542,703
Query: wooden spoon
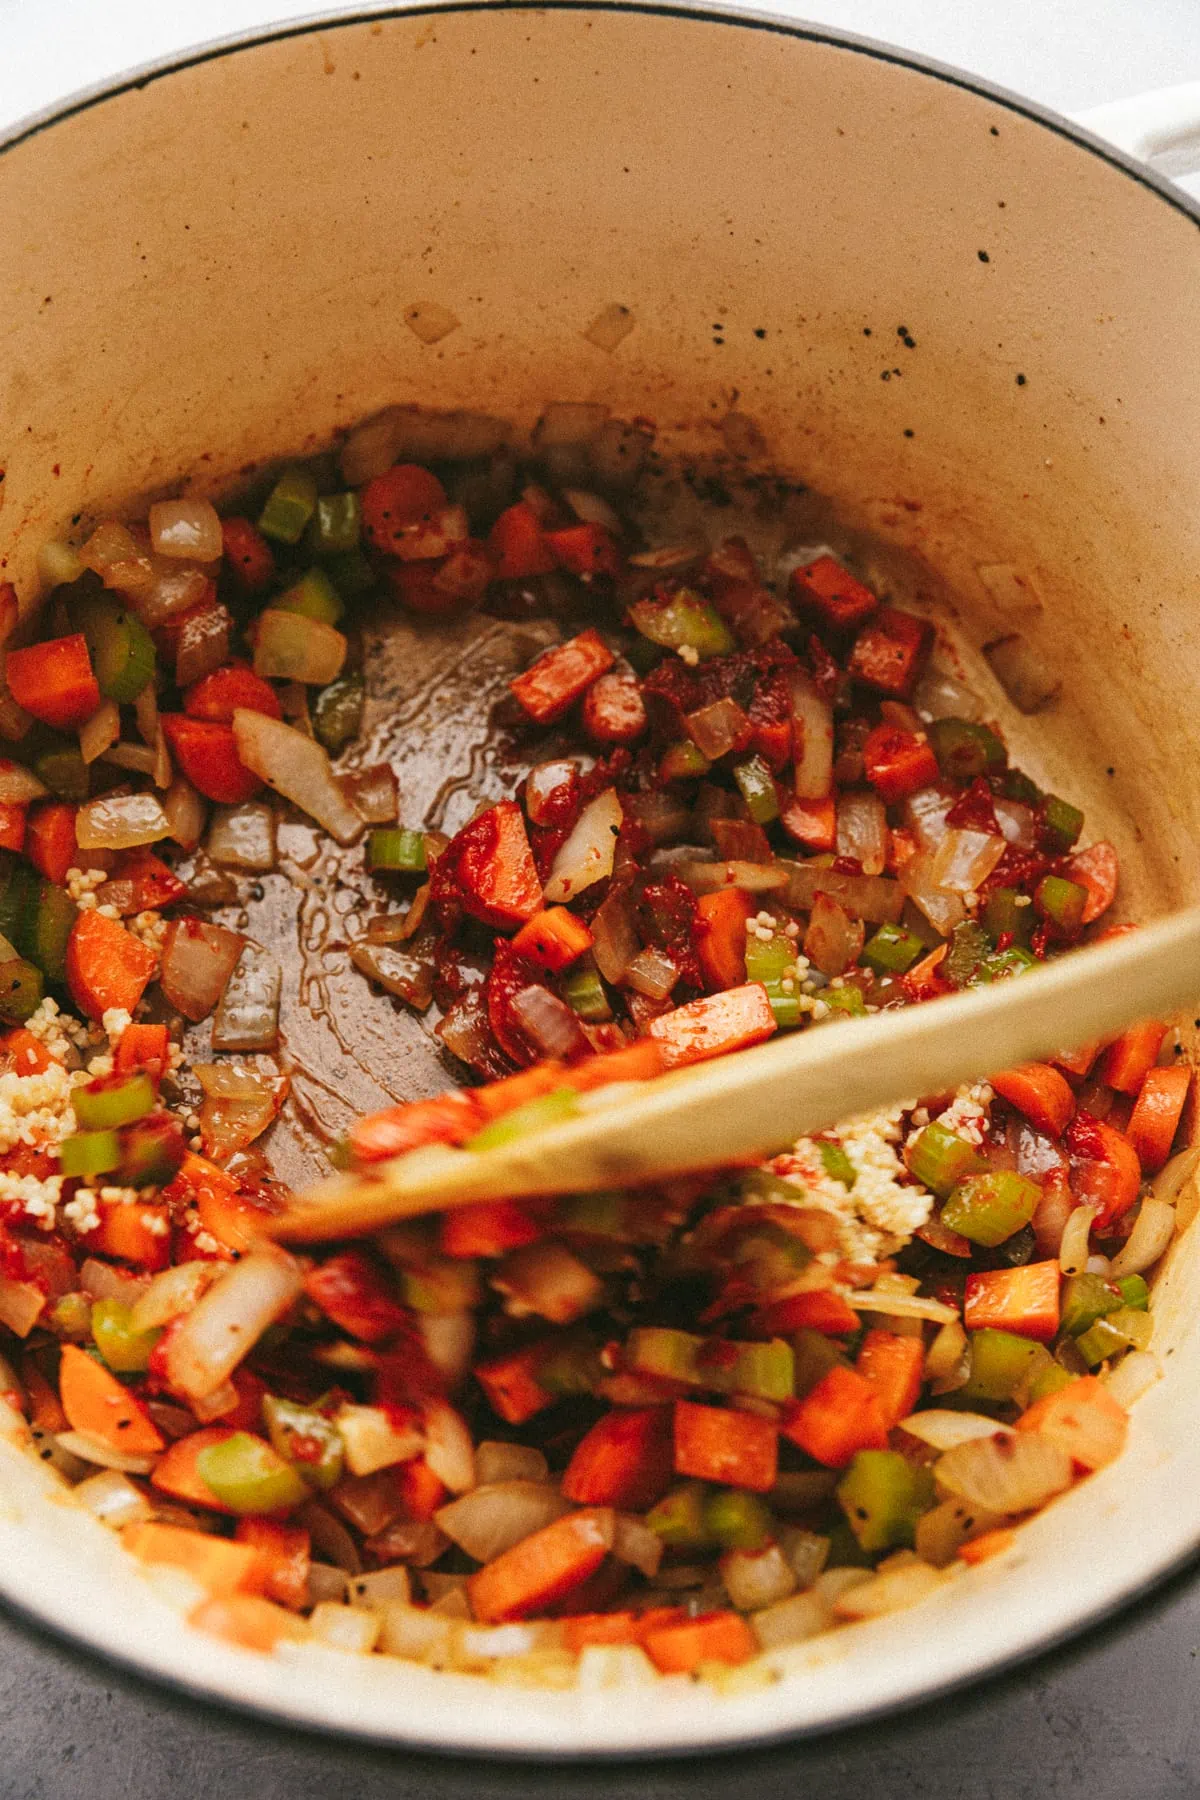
742,1108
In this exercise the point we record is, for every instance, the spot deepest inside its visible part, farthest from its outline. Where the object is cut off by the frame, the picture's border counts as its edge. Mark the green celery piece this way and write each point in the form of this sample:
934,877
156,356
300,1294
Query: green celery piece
1001,1362
89,1153
1014,784
892,950
64,772
769,960
289,506
1003,913
1014,961
335,526
394,850
786,1007
120,647
836,1163
989,1208
337,711
351,573
813,1356
304,1436
683,762
762,1371
1134,1293
571,1366
1061,903
845,1551
939,1159
584,993
757,785
965,749
313,597
883,1495
969,948
550,1109
661,1350
152,1152
19,899
846,1000
127,1352
1122,1330
1086,1298
45,937
684,621
1062,821
104,1106
1050,1380
679,1518
20,990
249,1476
738,1520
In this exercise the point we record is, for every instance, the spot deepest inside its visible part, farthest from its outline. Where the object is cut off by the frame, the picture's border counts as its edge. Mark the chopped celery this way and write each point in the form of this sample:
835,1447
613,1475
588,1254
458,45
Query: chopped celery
19,893
304,1436
1134,1293
684,621
584,993
20,990
536,1115
847,999
126,1351
1050,1380
89,1153
892,950
152,1152
683,762
289,506
1014,784
1122,1330
350,573
1062,822
120,647
969,947
813,1356
337,711
757,785
1007,912
1060,902
249,1476
571,1366
769,960
1014,961
883,1495
764,1371
314,596
662,1351
1086,1298
393,850
64,772
965,749
104,1105
836,1163
939,1159
845,1551
679,1518
738,1520
335,524
1001,1362
45,935
786,1007
989,1208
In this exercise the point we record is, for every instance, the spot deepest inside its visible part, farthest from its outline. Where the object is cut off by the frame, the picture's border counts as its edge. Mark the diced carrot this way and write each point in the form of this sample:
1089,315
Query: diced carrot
403,498
714,1025
1076,1062
50,840
355,1293
898,762
1128,1060
246,1412
585,550
217,696
940,1237
486,1228
893,1365
207,754
1104,1166
106,965
500,1097
495,877
98,1404
139,1233
446,1119
511,1384
1023,1300
987,1544
12,826
175,1472
722,1637
614,711
229,1217
216,1563
1084,1419
888,650
827,589
1156,1114
1098,870
714,1443
30,1056
286,1559
625,1460
420,1489
517,544
143,1047
250,557
582,1629
561,675
141,882
248,1621
554,938
1039,1092
636,1062
837,1418
812,823
721,939
541,1569
45,1407
54,681
821,1309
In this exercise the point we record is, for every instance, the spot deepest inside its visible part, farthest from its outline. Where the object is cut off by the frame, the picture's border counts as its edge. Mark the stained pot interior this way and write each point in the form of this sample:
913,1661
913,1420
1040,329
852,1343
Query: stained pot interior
211,267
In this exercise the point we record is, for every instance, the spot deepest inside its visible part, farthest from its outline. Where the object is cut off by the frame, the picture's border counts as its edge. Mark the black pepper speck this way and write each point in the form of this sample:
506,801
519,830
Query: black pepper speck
1020,381
983,256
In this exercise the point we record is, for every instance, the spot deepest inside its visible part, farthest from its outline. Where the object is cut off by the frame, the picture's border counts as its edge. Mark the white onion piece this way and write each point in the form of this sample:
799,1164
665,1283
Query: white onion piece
373,792
113,1499
1129,1379
121,822
593,510
792,1621
902,1306
186,528
495,1462
964,859
548,1021
330,1537
247,1016
186,812
57,564
944,1429
812,731
634,1543
490,1520
298,768
1006,1474
752,878
289,646
945,1528
1073,1251
172,1292
862,830
548,1279
1152,1232
939,695
889,1591
137,757
833,939
875,898
18,785
943,909
100,731
1018,822
197,960
924,814
615,940
21,1305
1023,673
243,837
588,853
229,1320
449,1340
449,1451
755,1579
104,1281
652,973
90,1450
238,1106
1174,1176
542,784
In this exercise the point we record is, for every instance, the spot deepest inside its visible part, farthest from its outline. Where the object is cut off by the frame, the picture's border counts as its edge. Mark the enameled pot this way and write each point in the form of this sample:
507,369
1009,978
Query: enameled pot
970,324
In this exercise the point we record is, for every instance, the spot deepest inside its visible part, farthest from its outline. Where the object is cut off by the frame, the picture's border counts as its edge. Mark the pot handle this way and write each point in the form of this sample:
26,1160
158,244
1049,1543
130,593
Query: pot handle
1162,127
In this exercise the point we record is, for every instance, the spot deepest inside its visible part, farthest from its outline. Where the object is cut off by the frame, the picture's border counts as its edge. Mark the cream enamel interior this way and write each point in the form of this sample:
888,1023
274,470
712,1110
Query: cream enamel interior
211,267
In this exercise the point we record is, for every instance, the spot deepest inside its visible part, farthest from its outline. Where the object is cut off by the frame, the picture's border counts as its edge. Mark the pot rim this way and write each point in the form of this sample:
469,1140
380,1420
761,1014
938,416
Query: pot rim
1140,1591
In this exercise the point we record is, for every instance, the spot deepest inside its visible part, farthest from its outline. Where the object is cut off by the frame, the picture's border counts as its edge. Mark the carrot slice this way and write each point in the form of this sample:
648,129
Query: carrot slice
175,1472
1076,1062
714,1637
1156,1114
12,826
1104,1166
106,965
714,1443
812,823
488,1228
50,840
559,676
625,1460
30,1056
420,1489
721,941
1097,869
220,1566
517,545
98,1404
1039,1092
841,1415
822,1309
1023,1301
511,1384
714,1025
285,1551
541,1569
1129,1059
446,1119
987,1544
1084,1418
636,1062
893,1365
554,938
207,754
54,681
138,1234
217,696
143,1047
247,1620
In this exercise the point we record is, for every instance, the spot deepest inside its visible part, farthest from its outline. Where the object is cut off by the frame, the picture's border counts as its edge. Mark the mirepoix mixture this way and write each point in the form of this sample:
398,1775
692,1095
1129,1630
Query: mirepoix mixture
666,1429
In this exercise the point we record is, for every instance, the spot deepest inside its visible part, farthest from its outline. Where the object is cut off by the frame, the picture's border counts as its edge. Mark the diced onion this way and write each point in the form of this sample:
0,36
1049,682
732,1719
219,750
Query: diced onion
449,1451
945,1528
943,909
57,564
203,644
833,939
862,830
924,814
757,1578
238,1106
172,1292
198,959
634,1543
752,878
92,1450
1022,673
1151,1236
872,897
1011,1473
716,729
289,646
19,785
115,555
549,1021
939,695
964,859
1073,1251
243,837
113,1499
888,1591
1129,1379
21,1305
169,589
137,757
449,1340
610,327
587,855
542,785
792,1621
435,537
652,973
490,1520
944,1429
186,812
593,510
121,822
409,974
615,942
186,528
1174,1176
496,1462
430,321
902,1306
104,1281
415,434
298,768
1018,822
229,1320
812,730
947,1361
373,793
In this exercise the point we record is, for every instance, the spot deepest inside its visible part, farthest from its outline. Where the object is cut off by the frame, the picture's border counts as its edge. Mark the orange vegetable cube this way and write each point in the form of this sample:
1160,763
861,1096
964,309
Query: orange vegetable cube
625,1460
1023,1301
893,1364
99,1405
248,1621
1039,1092
541,1569
554,938
714,1025
721,941
1156,1114
837,1418
220,1566
714,1637
1084,1419
714,1443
